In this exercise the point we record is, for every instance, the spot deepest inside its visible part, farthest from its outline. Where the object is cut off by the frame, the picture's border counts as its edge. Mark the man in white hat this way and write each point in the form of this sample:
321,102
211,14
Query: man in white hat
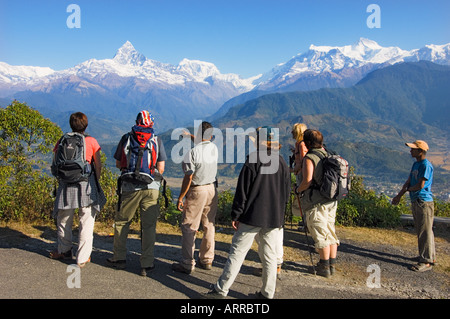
419,187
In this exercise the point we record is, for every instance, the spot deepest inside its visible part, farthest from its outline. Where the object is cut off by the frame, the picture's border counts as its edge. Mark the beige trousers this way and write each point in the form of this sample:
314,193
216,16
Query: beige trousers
423,214
200,207
321,224
86,231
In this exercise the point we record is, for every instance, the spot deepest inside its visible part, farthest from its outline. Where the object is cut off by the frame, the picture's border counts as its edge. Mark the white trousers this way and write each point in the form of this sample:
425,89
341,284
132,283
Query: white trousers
240,245
86,231
279,247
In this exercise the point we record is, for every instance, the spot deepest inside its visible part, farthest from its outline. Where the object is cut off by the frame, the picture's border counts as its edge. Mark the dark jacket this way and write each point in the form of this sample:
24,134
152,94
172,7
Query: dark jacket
260,199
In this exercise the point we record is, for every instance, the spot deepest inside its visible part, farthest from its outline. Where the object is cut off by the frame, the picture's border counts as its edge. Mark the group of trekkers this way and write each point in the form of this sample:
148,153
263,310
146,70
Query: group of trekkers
258,208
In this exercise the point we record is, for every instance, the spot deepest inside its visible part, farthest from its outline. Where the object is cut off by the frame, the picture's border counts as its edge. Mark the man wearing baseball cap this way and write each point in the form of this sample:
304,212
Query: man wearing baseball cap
419,187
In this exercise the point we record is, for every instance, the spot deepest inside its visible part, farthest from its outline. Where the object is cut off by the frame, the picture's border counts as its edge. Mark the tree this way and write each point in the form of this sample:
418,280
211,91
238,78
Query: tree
26,137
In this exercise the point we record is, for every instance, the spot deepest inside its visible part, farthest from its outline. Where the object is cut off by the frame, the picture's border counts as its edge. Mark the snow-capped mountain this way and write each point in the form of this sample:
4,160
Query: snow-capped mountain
328,66
177,94
126,63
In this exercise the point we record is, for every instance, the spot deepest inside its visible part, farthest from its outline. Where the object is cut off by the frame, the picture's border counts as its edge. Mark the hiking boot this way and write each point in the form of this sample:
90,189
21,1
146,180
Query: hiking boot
61,256
257,295
118,264
206,266
146,270
332,269
213,294
323,269
180,268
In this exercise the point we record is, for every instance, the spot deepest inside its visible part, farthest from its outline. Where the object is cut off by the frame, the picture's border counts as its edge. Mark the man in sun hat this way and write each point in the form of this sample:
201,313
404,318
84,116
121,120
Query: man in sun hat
141,193
262,193
419,187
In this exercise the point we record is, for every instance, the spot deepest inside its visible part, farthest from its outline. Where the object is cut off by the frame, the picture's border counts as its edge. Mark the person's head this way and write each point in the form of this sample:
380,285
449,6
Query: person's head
418,149
266,137
297,131
313,139
78,122
206,130
145,119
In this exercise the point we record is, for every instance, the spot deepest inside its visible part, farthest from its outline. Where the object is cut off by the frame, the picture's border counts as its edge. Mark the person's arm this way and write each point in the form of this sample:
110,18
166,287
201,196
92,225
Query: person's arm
244,185
186,184
419,185
160,166
308,173
98,164
396,199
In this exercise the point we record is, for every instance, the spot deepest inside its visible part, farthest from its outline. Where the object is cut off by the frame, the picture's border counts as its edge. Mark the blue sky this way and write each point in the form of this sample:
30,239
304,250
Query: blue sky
247,37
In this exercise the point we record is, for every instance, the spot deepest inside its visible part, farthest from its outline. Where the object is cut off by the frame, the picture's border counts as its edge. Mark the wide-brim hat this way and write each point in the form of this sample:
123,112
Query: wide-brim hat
268,137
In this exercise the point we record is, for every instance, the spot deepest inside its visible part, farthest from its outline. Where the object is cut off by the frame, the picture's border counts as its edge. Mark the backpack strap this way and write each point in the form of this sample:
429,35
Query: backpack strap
153,142
321,156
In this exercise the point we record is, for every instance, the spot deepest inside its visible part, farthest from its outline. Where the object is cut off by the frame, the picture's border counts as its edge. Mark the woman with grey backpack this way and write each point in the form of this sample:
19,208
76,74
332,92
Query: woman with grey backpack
76,164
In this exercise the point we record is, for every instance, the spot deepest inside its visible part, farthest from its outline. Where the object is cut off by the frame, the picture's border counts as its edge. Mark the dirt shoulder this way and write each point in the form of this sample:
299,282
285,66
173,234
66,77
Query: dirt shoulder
27,272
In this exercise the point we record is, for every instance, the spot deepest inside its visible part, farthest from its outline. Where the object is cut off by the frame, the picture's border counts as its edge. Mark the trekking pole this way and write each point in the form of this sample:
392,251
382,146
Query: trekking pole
306,233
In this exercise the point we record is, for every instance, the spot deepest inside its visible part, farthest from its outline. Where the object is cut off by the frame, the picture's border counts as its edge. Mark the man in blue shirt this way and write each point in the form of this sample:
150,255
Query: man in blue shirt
419,187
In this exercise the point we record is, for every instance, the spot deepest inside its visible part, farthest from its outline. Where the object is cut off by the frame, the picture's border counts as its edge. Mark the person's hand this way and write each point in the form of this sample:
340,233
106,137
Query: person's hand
396,200
235,224
180,205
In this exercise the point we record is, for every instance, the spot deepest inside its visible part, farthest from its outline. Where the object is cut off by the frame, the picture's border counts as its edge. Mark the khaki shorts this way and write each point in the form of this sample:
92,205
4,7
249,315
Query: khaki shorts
320,221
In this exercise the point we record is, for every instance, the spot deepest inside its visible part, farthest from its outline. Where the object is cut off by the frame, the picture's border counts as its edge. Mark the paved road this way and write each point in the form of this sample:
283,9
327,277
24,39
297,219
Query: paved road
27,273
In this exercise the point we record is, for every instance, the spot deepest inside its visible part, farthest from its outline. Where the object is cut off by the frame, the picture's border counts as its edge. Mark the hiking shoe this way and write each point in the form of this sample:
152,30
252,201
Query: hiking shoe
213,294
257,295
206,266
118,264
61,256
421,267
332,270
146,270
323,269
81,265
180,268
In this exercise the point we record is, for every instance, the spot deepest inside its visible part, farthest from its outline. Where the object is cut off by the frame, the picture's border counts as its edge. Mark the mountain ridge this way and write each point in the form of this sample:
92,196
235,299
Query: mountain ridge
178,94
367,123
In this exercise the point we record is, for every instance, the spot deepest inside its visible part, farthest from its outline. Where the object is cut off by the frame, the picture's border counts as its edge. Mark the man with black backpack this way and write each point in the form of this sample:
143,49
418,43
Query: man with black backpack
258,209
140,156
318,204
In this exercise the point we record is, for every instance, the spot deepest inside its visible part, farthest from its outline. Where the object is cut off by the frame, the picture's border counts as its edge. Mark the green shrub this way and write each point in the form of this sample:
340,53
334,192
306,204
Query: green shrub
26,138
225,202
441,208
364,208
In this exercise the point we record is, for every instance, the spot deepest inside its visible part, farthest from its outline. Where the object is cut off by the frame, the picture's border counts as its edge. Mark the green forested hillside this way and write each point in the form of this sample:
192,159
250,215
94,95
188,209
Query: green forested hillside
368,123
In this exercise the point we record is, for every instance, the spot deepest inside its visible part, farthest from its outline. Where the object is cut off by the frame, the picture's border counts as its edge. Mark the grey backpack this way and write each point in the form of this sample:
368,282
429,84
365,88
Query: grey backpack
69,162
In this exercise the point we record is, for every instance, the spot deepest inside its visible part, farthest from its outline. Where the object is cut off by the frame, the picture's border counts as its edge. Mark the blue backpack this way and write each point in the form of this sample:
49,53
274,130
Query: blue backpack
141,152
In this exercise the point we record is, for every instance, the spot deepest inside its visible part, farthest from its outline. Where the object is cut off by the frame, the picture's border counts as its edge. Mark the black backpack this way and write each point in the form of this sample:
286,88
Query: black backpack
335,181
69,162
